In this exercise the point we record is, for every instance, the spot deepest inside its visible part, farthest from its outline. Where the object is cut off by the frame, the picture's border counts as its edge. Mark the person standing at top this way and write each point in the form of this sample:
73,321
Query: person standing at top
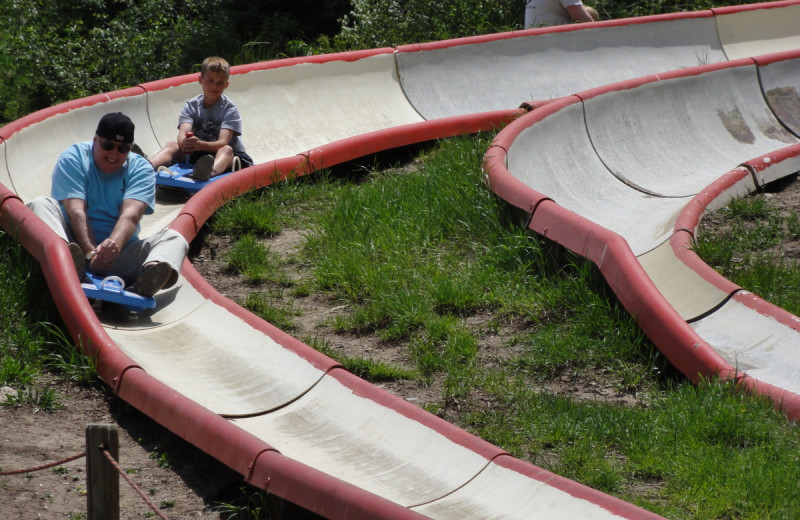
209,128
544,13
99,194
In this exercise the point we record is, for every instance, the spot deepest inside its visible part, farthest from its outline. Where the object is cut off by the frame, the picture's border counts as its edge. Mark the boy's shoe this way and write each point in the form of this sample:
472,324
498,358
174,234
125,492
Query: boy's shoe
152,280
202,168
79,259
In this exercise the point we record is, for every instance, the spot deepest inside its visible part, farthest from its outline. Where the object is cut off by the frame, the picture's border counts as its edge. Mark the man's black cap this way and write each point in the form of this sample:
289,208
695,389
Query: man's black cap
116,126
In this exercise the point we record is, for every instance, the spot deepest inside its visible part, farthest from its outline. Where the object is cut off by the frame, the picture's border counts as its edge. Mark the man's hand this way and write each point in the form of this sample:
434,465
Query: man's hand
107,252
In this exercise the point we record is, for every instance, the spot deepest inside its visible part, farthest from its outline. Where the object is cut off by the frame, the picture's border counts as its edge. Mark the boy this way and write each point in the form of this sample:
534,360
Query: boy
209,127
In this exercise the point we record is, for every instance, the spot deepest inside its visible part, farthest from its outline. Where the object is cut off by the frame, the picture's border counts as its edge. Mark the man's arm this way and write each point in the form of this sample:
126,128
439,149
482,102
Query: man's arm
578,13
79,224
108,250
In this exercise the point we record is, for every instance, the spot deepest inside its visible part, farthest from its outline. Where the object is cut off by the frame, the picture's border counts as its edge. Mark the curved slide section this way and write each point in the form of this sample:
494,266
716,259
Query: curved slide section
664,142
292,420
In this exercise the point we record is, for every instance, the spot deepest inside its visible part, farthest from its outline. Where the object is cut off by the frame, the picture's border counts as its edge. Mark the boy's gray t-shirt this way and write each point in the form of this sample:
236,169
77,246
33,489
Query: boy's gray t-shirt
207,122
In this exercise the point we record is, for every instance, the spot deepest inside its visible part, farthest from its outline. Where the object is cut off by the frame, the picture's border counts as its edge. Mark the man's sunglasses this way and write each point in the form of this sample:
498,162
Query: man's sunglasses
107,145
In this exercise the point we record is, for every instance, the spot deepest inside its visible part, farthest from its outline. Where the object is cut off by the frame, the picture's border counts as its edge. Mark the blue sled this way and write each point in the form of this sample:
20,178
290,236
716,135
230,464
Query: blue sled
178,178
111,289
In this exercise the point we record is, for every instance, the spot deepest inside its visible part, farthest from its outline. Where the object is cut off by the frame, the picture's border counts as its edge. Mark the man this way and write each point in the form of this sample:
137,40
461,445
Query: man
544,13
99,194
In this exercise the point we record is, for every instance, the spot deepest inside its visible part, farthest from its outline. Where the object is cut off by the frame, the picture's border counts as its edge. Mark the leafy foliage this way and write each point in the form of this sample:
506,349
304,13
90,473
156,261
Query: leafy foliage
379,23
67,50
56,51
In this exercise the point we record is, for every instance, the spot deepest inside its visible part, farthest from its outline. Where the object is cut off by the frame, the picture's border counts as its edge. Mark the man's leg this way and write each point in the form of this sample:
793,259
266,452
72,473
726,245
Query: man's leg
49,210
152,264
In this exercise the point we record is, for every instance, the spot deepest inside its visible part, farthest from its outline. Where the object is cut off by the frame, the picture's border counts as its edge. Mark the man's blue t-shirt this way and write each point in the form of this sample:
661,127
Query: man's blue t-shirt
76,176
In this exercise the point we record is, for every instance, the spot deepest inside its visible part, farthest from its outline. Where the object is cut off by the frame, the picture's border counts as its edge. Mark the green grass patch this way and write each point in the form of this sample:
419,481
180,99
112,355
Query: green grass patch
272,308
744,252
708,451
32,337
366,368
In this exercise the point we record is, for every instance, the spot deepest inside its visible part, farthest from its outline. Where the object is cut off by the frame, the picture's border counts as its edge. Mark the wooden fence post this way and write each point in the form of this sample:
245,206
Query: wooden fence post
102,479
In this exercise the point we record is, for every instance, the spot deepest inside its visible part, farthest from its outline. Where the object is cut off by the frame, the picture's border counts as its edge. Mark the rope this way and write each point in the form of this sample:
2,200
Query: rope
133,485
45,466
113,463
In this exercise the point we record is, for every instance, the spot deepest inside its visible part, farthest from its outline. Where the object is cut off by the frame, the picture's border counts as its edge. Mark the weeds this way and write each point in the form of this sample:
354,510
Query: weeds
745,250
44,399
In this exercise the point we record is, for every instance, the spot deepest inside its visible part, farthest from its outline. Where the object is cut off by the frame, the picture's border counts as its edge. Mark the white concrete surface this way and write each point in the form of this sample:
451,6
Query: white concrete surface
500,75
759,31
556,158
754,344
374,447
686,291
781,88
215,358
673,138
503,494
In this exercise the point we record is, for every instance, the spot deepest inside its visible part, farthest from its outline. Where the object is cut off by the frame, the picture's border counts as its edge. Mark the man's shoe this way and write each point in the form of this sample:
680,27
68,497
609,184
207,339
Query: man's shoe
202,168
79,259
152,280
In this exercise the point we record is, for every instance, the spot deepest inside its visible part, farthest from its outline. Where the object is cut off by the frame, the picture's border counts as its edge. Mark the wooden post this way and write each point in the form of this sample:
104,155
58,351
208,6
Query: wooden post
102,479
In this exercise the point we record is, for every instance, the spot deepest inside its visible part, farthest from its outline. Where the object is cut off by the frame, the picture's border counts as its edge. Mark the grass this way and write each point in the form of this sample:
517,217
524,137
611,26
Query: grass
744,251
416,255
32,338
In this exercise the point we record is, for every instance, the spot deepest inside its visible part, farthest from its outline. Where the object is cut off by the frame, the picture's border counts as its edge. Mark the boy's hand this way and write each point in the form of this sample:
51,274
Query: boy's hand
189,143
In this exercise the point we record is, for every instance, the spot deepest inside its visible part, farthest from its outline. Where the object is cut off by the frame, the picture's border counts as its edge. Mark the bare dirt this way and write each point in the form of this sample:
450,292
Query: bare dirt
182,481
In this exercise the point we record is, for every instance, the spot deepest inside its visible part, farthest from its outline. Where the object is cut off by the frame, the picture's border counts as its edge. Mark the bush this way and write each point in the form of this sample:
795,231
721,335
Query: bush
57,51
381,23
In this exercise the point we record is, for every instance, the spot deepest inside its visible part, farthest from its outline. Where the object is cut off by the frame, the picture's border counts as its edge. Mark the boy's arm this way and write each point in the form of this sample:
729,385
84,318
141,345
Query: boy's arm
183,129
193,144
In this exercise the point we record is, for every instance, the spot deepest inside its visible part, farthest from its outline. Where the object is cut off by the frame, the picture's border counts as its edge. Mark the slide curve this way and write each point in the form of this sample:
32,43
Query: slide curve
658,118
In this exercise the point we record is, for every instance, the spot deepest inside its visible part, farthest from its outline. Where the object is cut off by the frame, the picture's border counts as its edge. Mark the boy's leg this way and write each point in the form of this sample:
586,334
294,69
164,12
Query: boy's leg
207,166
203,168
167,156
222,160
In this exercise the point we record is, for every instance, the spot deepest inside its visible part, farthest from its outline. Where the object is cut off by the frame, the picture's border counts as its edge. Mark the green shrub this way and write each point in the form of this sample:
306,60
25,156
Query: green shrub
380,23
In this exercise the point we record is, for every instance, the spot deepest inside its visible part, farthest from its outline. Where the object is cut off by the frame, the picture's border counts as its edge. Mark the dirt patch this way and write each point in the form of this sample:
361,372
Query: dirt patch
185,482
179,479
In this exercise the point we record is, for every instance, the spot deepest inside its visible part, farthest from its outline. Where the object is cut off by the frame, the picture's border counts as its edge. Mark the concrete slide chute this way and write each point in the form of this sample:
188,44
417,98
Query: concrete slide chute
671,138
